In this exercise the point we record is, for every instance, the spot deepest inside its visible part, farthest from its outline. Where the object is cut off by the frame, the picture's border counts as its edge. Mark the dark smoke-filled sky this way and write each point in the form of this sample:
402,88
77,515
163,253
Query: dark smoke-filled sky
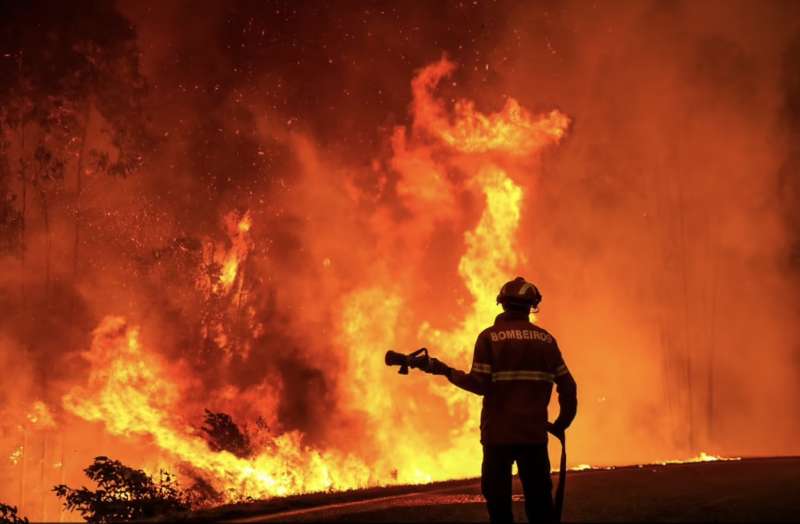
663,230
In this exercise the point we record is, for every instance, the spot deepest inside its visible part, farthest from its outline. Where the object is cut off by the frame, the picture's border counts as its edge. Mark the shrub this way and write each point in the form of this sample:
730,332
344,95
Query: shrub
222,433
8,515
123,493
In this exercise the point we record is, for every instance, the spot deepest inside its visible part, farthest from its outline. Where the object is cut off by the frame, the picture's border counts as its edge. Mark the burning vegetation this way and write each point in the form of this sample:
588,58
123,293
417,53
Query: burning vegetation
213,226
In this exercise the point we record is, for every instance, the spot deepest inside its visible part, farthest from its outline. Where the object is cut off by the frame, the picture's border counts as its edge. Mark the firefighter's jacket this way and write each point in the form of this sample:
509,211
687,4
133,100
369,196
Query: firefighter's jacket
514,367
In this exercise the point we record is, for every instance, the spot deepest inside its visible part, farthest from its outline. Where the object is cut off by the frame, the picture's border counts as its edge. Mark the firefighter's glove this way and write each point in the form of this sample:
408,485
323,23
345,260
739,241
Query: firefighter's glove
437,367
556,429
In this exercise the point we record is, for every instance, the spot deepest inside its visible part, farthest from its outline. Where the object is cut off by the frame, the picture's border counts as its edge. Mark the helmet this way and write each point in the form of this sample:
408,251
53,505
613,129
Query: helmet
519,292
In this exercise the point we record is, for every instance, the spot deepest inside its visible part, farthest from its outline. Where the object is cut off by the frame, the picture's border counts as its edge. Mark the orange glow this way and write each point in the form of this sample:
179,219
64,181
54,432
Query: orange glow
40,416
229,215
702,457
134,393
16,455
230,259
129,390
245,223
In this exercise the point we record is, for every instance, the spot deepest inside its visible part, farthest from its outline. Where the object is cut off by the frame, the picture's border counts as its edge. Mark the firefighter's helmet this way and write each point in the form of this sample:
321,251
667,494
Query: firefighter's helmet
519,292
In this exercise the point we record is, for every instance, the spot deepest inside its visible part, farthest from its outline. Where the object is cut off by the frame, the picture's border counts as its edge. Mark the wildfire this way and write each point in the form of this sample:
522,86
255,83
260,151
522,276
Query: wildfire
40,416
129,391
702,457
245,223
229,270
135,393
16,455
512,130
468,139
228,259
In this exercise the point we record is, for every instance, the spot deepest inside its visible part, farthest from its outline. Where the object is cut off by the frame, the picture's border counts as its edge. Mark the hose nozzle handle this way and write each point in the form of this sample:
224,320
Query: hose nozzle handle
416,359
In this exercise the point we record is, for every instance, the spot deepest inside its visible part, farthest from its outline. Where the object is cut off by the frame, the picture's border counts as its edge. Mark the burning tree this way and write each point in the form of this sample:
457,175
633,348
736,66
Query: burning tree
123,493
222,433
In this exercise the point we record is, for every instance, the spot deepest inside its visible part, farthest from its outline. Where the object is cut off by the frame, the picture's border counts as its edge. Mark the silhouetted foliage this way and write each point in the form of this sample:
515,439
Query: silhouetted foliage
222,433
59,59
69,73
123,493
8,515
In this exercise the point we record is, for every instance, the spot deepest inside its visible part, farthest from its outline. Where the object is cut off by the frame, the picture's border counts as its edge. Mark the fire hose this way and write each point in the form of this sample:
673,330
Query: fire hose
562,477
420,358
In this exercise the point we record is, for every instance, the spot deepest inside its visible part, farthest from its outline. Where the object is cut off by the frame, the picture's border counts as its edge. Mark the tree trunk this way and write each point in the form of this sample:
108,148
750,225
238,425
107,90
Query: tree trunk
78,191
681,208
22,468
23,175
62,476
711,350
48,241
42,490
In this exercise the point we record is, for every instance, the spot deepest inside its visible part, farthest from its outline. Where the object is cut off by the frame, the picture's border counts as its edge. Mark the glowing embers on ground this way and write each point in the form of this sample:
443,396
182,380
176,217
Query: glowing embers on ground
702,457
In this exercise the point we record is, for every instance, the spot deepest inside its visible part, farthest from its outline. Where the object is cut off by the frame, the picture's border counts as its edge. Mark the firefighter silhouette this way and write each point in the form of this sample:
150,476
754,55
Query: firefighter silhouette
514,367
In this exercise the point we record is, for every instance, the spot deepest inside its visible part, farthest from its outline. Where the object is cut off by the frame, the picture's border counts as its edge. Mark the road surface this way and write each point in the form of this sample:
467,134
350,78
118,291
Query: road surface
749,490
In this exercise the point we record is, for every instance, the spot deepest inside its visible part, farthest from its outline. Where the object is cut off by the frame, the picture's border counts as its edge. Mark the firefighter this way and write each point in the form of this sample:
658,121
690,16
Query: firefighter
514,367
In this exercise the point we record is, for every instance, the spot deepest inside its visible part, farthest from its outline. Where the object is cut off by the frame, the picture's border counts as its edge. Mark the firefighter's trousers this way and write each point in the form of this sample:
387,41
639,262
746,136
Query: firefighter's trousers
534,473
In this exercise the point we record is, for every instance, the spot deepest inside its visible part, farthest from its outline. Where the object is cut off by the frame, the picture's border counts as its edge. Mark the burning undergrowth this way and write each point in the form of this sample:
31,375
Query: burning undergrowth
329,372
216,301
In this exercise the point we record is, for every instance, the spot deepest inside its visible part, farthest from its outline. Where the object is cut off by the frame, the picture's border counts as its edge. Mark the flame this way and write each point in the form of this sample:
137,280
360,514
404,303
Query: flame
129,391
228,311
702,457
229,259
511,130
245,223
16,455
475,140
229,271
40,416
133,392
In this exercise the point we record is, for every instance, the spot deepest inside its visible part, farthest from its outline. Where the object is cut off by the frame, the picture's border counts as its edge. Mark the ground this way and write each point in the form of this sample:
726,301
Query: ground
749,490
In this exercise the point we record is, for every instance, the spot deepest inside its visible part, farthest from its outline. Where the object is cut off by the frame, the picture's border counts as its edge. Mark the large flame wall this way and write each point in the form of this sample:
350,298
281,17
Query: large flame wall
631,161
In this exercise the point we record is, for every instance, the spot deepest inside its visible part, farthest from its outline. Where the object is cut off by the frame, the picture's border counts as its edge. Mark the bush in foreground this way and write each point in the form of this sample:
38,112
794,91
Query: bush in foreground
8,515
123,493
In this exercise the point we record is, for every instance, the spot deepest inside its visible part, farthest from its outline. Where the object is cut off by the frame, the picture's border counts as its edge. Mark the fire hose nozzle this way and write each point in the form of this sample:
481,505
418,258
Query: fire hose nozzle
417,359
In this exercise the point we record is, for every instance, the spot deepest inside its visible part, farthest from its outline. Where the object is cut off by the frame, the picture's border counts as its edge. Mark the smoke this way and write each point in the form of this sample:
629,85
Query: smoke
660,226
662,231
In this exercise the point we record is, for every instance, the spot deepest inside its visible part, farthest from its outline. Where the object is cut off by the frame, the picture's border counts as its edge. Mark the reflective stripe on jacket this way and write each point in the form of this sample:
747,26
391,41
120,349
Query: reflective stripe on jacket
514,367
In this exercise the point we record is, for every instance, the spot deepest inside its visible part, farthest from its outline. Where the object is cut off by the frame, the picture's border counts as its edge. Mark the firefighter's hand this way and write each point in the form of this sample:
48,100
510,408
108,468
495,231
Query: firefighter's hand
437,367
556,430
